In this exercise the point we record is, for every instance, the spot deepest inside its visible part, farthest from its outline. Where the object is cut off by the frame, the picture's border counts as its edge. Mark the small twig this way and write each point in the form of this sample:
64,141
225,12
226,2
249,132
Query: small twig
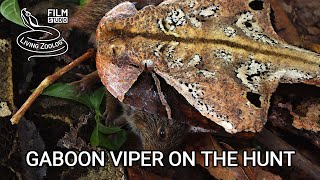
46,82
18,174
162,98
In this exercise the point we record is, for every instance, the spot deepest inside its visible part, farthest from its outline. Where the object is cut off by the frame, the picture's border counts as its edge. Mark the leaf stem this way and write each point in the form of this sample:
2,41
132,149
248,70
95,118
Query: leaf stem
161,95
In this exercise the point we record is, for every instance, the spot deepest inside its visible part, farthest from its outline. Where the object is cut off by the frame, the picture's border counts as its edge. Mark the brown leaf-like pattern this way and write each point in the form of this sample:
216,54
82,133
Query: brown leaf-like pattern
223,57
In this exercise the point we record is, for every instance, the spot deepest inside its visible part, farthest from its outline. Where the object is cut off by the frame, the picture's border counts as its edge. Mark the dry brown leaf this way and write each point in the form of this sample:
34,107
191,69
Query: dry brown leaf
223,57
136,173
315,47
206,142
253,172
284,26
310,120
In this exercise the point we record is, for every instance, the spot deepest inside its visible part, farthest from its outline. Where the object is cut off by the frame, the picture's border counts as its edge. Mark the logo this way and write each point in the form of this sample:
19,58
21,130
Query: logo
56,16
53,45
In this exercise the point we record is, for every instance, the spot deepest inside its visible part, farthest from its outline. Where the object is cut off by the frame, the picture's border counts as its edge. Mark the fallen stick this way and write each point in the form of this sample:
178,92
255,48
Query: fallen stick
275,143
46,82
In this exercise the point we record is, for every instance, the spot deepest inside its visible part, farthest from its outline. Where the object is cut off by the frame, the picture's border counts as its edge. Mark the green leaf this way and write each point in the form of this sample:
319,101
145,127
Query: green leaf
11,11
94,139
117,140
108,137
82,2
112,142
108,130
68,91
96,99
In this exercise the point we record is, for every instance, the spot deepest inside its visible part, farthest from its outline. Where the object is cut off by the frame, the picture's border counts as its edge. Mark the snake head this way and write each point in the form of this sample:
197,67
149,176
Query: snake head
28,20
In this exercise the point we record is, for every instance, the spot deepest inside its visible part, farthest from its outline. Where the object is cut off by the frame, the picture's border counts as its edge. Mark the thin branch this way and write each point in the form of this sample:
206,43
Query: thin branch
46,82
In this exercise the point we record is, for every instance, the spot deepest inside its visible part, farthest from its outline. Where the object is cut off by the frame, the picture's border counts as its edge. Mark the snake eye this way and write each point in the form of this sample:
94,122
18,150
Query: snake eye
28,14
162,133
